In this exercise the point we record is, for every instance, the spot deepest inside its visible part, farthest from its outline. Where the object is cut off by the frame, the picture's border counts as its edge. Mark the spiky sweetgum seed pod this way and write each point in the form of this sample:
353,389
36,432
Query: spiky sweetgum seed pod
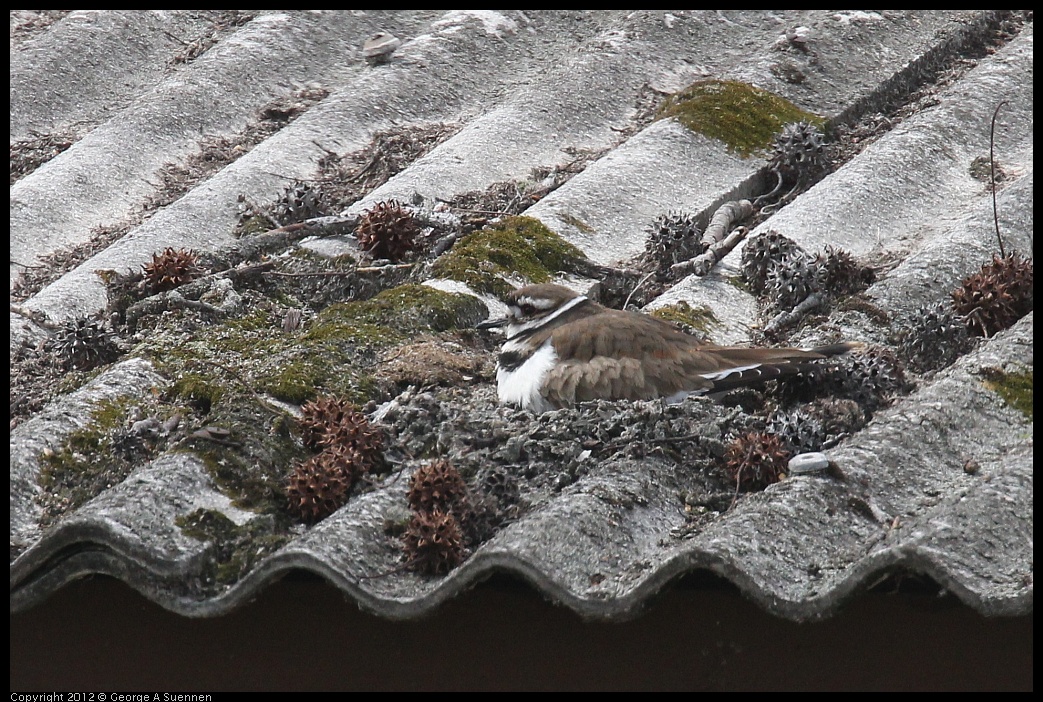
316,489
840,274
482,520
437,485
387,231
500,484
800,152
985,304
799,431
879,372
933,337
433,542
83,343
330,421
755,460
355,430
1017,272
351,462
318,416
759,254
997,296
791,280
871,378
837,416
672,238
170,269
299,203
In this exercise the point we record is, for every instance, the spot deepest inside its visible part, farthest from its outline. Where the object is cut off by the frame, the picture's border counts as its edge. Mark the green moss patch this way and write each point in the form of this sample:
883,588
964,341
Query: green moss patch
1014,388
251,454
739,283
697,320
517,247
745,118
206,525
331,355
226,372
235,548
254,224
403,312
89,461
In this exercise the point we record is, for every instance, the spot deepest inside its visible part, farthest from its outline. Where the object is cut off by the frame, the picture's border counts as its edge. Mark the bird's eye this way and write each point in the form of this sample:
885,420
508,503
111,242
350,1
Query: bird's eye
527,309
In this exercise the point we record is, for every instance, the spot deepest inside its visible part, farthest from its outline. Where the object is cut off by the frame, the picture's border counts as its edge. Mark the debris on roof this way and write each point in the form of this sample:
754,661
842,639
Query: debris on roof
249,258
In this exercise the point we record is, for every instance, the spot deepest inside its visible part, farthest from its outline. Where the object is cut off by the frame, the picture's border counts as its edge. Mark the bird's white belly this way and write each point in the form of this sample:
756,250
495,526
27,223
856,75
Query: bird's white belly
521,386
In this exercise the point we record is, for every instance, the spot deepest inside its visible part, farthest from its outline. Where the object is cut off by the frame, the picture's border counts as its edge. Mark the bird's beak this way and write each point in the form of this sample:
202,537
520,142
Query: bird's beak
493,323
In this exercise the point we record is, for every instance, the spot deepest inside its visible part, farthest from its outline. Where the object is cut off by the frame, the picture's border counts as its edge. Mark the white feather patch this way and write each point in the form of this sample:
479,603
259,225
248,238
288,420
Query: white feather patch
521,386
540,303
721,375
681,395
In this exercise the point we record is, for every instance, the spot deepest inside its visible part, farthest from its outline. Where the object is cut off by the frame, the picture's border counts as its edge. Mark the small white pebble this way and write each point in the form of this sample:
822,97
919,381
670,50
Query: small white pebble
379,47
805,463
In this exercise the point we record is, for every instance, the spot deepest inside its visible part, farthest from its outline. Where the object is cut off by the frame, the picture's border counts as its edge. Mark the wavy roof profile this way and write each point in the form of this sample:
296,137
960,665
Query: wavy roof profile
938,483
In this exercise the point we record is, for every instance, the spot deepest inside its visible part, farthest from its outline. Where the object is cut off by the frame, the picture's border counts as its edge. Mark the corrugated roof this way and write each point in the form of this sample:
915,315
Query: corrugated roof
136,131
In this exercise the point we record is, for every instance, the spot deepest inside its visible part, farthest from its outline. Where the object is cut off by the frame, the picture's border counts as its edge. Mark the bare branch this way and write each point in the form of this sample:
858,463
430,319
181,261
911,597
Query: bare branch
992,174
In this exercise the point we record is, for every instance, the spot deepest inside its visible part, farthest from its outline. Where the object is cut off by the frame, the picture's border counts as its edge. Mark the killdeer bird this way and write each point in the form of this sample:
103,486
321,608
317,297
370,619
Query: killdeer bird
563,348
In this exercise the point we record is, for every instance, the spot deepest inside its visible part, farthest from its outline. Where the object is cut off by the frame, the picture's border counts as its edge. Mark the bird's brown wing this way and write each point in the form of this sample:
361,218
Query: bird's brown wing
624,355
614,378
620,355
616,334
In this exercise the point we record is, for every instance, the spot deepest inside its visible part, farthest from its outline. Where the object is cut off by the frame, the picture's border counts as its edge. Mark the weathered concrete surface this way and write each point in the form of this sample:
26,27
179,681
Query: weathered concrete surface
533,90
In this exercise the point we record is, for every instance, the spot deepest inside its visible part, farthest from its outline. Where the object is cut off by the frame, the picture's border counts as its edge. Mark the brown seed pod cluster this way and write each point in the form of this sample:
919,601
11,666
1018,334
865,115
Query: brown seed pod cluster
800,156
671,238
299,203
838,417
350,448
799,431
997,296
435,538
332,421
170,269
493,499
387,231
437,485
871,377
759,254
778,269
791,280
754,460
501,486
933,337
82,344
433,542
317,488
840,274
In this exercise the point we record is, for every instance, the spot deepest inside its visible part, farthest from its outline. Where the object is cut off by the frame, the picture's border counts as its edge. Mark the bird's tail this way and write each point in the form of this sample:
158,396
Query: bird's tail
837,349
771,364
